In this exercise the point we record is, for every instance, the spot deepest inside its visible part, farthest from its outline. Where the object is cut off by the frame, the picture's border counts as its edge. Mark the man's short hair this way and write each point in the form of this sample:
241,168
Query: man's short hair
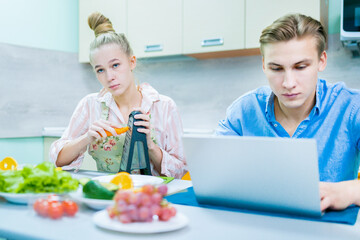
293,26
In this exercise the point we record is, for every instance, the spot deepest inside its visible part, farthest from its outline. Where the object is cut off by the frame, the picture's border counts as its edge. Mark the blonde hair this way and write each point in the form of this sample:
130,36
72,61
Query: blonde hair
293,26
105,34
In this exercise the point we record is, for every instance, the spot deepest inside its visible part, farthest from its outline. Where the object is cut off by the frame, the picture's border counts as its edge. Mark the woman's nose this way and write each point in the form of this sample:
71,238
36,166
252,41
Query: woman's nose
110,76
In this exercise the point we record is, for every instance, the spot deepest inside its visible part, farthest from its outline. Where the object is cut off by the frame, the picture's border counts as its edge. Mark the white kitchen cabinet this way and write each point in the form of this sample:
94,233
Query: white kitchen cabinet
155,27
198,28
213,25
115,10
261,13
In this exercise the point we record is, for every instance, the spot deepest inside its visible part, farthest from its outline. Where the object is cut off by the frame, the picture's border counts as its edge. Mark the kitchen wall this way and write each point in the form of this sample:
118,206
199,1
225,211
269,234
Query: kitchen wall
41,24
41,80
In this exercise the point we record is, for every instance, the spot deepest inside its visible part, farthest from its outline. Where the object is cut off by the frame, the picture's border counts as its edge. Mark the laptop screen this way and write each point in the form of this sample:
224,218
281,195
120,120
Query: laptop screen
258,173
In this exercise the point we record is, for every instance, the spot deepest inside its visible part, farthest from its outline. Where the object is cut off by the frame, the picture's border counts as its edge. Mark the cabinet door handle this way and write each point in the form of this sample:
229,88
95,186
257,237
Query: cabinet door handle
212,42
154,48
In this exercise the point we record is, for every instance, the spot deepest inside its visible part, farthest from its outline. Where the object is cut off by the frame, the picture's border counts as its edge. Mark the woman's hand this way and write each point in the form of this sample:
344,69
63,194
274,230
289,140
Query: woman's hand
339,195
78,146
97,129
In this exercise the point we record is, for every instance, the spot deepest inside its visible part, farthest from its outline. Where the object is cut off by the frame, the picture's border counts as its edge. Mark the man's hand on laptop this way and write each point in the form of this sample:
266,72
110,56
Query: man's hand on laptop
339,195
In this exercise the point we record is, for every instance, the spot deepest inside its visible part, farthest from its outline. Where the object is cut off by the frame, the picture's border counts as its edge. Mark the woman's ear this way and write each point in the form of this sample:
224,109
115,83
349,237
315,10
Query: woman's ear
132,62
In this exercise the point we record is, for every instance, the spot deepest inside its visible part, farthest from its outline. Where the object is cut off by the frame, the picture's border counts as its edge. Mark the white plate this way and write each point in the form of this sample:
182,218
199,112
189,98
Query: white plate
99,204
23,198
138,180
103,220
96,204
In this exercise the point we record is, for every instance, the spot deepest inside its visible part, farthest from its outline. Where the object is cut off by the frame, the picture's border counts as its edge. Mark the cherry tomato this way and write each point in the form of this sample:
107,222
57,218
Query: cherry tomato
41,207
37,204
53,198
55,210
70,207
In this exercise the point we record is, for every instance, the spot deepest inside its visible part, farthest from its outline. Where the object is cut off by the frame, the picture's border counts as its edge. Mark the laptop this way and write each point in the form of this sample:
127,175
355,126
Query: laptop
257,173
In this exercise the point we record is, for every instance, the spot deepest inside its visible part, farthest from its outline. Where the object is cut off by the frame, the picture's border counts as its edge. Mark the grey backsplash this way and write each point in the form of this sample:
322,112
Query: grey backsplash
40,88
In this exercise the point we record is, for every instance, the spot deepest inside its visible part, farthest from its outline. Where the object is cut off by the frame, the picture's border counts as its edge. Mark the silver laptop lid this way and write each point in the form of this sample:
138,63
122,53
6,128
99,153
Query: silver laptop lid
261,173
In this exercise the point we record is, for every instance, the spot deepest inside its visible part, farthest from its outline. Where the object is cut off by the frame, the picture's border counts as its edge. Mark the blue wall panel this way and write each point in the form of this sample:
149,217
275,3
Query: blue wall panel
24,150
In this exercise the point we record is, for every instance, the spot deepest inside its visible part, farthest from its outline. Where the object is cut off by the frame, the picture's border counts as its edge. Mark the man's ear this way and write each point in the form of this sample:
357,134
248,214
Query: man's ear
322,61
263,63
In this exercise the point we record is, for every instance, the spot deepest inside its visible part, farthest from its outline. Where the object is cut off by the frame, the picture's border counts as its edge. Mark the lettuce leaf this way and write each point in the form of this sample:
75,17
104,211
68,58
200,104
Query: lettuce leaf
43,178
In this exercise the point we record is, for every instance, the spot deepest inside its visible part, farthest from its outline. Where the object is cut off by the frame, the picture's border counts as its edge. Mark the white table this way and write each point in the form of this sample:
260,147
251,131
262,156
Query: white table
20,222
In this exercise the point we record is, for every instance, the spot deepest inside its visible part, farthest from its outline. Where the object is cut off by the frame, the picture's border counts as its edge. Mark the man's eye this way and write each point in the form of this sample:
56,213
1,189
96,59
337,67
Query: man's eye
301,67
116,65
276,69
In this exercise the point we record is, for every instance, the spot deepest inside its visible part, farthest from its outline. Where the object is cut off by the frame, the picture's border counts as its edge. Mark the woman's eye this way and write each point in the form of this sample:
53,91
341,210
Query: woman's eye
116,65
100,70
276,69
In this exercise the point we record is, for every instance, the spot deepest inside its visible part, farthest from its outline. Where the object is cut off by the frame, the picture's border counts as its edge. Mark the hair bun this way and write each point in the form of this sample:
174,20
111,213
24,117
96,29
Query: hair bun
100,24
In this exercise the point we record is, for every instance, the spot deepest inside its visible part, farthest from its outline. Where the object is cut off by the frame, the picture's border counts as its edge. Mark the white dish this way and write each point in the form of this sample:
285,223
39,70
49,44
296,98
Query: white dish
96,204
103,220
138,180
23,198
99,204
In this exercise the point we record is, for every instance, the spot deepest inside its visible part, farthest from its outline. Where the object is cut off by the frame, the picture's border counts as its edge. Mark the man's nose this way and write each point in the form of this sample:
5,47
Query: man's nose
289,80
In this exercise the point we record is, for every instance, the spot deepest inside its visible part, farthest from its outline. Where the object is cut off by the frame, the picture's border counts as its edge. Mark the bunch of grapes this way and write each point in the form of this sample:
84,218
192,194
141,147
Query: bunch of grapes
142,205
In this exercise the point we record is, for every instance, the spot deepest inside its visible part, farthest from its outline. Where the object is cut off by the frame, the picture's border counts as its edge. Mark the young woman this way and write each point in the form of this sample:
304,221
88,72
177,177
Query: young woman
113,62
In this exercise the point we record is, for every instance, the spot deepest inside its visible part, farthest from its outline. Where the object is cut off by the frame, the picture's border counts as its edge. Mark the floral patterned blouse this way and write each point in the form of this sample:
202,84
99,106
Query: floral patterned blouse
165,121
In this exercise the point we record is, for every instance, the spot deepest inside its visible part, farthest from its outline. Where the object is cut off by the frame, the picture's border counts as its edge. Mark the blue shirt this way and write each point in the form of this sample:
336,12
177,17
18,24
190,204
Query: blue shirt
334,122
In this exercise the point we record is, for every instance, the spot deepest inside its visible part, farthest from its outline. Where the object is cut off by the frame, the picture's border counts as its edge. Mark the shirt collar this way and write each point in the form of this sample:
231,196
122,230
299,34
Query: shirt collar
106,98
269,111
318,96
149,96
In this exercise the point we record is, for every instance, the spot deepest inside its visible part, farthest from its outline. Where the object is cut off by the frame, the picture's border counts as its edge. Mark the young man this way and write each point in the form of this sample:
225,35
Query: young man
299,105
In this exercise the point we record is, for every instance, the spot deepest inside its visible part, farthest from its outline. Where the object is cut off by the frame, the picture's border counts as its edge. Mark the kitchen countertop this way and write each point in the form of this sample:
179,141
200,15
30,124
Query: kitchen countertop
57,131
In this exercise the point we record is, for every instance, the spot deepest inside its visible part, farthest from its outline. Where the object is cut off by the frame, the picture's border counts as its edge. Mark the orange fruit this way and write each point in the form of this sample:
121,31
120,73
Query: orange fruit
8,163
186,176
123,180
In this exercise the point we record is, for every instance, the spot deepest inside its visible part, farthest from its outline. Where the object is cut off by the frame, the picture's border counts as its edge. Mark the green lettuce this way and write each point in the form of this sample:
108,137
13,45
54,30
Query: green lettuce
43,178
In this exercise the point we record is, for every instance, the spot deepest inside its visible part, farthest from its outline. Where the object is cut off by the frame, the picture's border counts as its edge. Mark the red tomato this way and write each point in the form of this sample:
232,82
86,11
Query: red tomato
55,210
70,207
41,207
53,198
37,204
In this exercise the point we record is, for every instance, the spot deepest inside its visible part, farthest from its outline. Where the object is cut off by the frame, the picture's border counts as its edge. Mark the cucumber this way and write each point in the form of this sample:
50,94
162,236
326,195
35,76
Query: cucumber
94,189
110,186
